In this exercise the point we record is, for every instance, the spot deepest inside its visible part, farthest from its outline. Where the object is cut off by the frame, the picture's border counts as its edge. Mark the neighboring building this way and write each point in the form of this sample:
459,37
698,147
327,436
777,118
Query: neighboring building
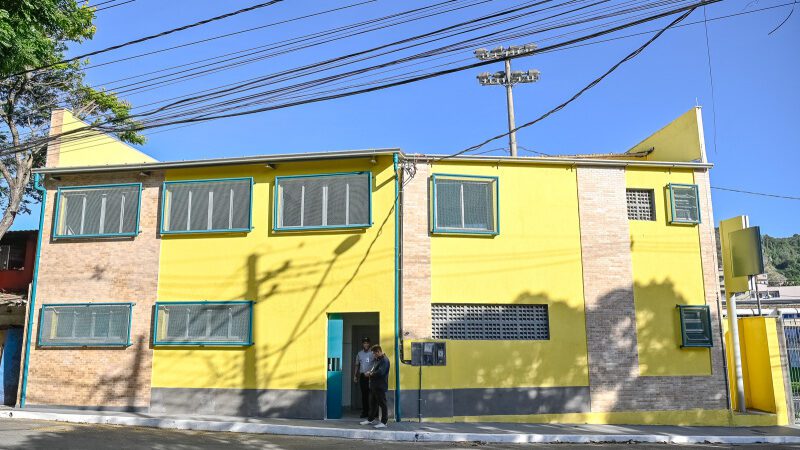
566,289
17,257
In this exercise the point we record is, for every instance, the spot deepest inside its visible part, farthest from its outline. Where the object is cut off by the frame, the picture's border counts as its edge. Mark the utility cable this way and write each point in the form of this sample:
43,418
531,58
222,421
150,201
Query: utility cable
151,37
592,84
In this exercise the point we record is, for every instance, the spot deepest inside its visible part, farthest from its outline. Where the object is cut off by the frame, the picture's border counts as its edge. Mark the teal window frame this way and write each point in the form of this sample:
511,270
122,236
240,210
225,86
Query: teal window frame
435,229
83,344
705,318
672,203
57,212
247,229
200,343
275,203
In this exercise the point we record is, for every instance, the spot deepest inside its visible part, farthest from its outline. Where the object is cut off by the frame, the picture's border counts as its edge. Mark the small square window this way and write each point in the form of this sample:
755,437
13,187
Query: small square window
685,203
465,204
695,326
641,204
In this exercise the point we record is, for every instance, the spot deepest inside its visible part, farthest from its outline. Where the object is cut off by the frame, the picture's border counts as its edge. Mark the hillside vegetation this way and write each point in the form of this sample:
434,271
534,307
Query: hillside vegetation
782,258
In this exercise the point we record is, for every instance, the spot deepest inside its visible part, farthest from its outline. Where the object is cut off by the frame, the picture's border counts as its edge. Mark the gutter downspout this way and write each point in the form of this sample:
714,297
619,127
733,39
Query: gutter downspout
32,303
397,410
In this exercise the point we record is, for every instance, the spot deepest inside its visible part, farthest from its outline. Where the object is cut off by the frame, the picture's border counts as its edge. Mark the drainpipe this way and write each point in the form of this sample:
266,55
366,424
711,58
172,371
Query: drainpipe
32,301
397,411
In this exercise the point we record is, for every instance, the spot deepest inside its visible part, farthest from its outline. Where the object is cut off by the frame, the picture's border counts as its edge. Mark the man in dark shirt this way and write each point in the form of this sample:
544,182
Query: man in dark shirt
378,385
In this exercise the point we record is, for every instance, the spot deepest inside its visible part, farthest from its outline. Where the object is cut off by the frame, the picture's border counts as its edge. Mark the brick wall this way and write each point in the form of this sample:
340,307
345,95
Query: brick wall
54,147
98,270
615,382
416,261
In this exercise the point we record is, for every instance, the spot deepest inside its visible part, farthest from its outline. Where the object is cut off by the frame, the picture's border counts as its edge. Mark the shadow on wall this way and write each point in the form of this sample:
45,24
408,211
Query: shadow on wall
551,377
278,364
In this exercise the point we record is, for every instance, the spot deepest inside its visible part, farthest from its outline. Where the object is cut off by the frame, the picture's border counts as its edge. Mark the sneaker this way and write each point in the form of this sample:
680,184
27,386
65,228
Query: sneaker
367,422
380,425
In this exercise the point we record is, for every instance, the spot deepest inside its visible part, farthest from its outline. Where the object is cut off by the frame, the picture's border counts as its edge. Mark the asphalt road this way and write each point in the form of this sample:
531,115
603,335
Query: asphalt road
36,434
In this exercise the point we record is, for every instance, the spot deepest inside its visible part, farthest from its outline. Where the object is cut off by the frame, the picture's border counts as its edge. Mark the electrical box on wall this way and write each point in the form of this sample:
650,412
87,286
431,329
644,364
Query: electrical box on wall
428,354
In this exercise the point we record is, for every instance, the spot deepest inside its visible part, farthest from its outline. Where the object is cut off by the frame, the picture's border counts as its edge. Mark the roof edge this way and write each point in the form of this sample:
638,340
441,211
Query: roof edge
260,159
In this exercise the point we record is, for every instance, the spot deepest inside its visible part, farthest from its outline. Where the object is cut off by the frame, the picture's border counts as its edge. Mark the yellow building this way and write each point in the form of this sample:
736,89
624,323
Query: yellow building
568,289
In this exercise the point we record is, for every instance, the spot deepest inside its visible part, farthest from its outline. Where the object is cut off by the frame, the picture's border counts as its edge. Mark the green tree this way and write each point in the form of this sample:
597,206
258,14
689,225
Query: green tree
36,33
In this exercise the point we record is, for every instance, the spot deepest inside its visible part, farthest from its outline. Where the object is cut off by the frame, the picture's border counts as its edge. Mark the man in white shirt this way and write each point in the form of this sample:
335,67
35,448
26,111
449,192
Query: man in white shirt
362,365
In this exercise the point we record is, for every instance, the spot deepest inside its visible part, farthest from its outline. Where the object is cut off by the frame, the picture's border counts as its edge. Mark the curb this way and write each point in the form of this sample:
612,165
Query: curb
390,435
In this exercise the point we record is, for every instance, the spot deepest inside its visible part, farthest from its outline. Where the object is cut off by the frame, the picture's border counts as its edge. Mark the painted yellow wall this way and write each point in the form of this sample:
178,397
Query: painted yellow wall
296,279
667,271
680,140
536,259
761,366
94,148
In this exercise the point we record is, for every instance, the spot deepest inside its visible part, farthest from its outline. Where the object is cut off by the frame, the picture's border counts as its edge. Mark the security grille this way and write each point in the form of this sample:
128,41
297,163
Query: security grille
207,205
464,204
791,331
490,322
641,205
98,211
685,206
324,201
204,323
85,325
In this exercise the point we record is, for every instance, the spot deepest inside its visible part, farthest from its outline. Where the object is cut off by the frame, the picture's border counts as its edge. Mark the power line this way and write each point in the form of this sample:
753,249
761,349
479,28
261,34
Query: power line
592,84
201,116
786,197
153,36
114,5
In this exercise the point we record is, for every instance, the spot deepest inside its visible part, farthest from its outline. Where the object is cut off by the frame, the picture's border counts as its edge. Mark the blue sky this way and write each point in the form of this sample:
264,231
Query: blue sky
755,76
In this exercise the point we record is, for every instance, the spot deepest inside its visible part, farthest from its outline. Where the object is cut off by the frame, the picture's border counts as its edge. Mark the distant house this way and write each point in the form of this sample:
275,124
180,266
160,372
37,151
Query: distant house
17,253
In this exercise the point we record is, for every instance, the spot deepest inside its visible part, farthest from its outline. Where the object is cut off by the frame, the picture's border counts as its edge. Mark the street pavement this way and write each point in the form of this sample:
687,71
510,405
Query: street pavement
37,434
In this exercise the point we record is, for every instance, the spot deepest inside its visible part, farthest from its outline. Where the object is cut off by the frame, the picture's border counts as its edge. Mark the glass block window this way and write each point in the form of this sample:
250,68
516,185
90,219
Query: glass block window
204,323
695,326
207,206
85,325
490,322
641,204
685,203
323,201
96,211
464,204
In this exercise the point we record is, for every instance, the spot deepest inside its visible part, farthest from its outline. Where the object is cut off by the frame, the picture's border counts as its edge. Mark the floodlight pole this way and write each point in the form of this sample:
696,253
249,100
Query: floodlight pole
508,79
512,133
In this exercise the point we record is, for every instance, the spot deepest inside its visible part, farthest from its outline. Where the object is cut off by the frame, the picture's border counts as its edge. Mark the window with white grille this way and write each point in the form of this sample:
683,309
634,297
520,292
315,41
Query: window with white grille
85,325
323,201
490,322
203,323
641,204
207,206
685,203
98,211
464,204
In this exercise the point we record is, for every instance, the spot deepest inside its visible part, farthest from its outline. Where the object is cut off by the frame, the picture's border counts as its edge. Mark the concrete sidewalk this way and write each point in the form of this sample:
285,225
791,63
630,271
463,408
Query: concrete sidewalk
427,432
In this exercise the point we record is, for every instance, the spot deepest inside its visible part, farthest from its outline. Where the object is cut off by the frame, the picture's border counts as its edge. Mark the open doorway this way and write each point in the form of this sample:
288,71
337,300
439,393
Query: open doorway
354,327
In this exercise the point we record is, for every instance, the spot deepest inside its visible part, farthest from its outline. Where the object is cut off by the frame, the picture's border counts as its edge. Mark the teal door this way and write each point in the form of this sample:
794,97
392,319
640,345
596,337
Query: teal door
333,399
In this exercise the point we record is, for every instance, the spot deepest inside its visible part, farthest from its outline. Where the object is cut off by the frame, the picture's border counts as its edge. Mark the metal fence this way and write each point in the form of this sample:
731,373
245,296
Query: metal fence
791,330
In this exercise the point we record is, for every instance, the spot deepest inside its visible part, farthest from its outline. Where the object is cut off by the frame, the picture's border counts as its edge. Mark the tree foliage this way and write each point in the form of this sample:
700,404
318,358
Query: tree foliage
36,33
782,257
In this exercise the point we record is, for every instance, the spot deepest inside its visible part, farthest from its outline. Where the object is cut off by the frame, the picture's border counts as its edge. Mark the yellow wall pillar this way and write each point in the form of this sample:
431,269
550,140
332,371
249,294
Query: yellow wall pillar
762,368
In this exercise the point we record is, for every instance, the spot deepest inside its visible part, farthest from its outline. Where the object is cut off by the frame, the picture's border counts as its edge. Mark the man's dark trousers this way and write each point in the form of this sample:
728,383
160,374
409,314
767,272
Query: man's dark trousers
377,399
363,384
